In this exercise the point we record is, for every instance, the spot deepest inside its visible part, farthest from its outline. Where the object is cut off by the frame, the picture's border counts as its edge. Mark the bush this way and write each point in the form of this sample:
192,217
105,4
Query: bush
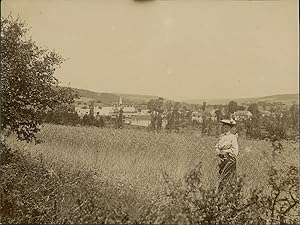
188,202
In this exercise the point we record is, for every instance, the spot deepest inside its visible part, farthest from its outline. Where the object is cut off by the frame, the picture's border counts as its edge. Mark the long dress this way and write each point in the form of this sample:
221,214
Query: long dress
227,148
227,170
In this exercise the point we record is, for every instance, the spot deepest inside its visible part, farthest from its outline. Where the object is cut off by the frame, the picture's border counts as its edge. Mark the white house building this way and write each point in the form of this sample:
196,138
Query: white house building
103,110
265,113
197,116
141,120
144,112
242,114
82,110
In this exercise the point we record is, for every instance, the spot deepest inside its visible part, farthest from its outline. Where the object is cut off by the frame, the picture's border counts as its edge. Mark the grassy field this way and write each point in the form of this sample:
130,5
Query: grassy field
139,160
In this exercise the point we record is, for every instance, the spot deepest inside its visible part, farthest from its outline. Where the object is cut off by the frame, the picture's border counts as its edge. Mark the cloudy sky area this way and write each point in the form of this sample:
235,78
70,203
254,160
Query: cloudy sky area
176,49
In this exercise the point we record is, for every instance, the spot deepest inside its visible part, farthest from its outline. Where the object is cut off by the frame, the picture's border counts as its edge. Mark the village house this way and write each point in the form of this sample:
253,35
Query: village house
141,120
212,114
141,116
143,110
242,115
265,113
135,115
129,110
197,116
207,114
82,110
101,109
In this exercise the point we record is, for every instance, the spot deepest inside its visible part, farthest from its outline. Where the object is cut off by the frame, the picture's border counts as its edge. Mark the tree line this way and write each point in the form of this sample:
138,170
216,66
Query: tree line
283,122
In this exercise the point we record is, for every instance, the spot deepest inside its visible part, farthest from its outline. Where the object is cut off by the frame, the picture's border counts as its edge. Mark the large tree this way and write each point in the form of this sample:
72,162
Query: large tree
156,105
232,106
203,106
294,114
28,84
253,108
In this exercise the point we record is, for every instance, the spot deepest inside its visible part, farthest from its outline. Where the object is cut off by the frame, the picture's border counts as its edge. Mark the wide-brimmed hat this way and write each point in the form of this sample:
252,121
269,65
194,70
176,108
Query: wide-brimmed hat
229,122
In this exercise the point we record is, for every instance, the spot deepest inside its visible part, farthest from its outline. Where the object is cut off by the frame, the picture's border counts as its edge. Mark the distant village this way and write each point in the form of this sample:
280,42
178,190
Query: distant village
140,114
133,114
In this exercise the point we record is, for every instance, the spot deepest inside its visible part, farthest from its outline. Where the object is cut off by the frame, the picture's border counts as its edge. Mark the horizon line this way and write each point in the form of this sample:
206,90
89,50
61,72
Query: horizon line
187,98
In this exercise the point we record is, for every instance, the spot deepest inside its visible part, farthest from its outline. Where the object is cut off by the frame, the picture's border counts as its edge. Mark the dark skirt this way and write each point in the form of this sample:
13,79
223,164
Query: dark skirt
227,170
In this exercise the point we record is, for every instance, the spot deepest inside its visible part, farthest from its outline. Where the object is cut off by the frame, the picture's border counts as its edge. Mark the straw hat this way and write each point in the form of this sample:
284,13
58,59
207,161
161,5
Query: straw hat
229,122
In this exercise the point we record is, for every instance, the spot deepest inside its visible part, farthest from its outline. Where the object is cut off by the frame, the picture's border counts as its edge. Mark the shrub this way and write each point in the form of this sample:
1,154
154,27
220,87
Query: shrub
188,202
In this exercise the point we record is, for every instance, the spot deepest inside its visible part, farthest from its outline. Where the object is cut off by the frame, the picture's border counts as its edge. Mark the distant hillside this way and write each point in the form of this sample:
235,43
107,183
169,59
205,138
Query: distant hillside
287,99
109,98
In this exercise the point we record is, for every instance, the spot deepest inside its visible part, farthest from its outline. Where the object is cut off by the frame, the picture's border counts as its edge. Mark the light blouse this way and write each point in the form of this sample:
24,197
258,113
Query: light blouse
228,144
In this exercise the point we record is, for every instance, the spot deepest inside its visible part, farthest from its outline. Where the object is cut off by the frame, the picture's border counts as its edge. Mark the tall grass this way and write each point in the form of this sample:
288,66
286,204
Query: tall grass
93,175
139,158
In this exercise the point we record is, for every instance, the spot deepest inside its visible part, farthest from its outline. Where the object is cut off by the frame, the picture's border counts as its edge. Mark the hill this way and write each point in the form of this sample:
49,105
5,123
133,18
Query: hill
109,98
287,99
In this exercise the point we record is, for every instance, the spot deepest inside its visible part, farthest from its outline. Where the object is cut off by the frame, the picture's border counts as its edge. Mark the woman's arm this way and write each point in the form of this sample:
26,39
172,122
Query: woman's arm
235,146
217,148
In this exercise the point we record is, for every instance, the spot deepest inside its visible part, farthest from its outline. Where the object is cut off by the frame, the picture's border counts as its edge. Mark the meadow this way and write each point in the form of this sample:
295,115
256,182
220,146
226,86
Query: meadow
138,161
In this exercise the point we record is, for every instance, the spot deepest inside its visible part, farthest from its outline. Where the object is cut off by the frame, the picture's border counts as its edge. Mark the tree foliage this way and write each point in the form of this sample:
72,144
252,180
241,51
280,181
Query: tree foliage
28,84
156,105
240,107
203,106
232,107
294,114
253,108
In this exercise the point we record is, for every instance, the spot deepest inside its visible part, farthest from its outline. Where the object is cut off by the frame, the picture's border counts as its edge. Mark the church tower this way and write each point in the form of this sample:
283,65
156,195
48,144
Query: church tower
120,101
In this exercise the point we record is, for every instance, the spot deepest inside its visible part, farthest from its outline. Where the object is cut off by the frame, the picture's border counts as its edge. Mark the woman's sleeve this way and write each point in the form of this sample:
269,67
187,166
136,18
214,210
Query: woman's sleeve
218,147
235,146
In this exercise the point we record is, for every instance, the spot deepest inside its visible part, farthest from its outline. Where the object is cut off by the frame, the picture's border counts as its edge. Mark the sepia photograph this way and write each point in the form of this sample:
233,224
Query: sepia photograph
149,112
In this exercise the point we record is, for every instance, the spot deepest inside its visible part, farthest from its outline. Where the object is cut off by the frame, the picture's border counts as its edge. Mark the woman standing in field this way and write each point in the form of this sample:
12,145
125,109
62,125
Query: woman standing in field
227,149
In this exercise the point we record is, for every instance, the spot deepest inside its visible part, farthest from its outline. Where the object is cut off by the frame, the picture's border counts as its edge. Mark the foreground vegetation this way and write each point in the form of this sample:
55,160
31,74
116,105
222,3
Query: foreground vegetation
92,175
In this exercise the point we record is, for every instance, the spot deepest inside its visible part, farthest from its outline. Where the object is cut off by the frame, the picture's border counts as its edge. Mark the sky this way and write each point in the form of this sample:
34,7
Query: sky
178,49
